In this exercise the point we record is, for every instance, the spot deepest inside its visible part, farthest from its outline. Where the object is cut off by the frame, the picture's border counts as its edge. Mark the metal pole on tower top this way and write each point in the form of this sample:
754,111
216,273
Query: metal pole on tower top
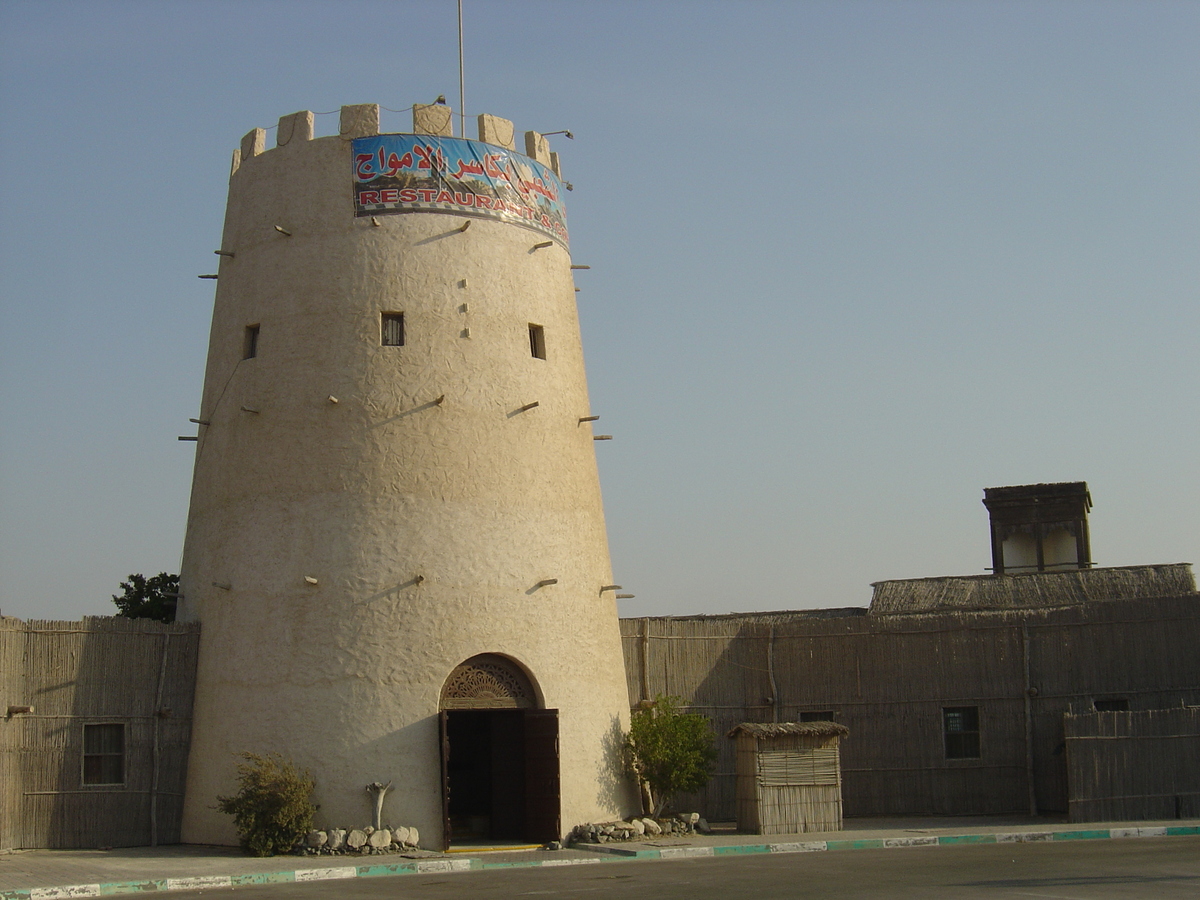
462,103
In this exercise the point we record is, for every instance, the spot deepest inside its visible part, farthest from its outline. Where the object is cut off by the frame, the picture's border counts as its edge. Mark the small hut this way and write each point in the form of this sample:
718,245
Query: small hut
789,777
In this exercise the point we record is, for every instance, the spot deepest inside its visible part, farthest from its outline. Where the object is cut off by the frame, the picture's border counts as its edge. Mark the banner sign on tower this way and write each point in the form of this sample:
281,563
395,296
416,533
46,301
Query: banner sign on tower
407,173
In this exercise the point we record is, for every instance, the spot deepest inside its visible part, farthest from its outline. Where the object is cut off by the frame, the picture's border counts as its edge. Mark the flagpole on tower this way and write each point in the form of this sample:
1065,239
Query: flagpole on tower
462,103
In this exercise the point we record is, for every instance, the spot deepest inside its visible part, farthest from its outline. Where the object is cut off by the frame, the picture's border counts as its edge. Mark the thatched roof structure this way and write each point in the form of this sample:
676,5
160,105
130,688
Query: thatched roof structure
772,617
1034,590
775,729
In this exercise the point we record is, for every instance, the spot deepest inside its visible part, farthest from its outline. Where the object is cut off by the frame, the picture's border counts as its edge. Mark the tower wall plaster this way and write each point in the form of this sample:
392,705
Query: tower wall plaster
405,481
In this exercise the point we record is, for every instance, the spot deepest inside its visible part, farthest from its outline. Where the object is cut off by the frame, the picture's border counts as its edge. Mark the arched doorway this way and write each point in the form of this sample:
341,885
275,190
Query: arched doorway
500,779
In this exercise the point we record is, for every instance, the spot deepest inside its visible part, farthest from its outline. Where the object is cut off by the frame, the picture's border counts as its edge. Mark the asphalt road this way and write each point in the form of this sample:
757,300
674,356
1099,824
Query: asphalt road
1160,869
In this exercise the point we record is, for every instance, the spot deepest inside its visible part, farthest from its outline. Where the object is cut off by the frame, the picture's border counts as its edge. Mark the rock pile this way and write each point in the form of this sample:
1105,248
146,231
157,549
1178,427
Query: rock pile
357,841
638,829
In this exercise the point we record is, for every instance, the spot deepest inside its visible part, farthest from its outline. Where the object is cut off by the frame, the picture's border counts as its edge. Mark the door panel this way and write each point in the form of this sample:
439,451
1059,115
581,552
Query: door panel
542,807
444,744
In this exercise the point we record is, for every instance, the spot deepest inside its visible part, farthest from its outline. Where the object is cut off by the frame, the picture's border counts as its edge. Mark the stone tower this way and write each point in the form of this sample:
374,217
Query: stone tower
396,544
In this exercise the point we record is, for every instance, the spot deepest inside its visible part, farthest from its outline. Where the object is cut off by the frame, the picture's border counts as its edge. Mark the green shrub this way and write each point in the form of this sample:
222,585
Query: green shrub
271,810
669,751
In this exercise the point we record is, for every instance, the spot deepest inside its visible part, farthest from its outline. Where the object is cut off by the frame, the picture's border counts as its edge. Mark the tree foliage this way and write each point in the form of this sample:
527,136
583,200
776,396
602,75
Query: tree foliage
669,751
273,808
148,598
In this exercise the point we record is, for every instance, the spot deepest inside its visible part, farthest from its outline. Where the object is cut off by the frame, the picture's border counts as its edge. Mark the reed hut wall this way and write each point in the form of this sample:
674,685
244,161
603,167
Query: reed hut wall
792,805
1134,765
134,674
890,678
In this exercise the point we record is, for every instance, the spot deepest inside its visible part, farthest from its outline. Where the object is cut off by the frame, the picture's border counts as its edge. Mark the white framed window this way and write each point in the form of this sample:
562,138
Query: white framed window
104,753
960,730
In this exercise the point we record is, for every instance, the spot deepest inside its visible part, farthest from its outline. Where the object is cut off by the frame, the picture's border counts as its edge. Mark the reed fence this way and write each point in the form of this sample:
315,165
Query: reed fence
1134,765
133,674
890,679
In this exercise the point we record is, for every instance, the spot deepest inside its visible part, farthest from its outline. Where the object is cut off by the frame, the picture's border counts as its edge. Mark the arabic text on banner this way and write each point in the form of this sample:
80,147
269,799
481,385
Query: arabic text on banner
405,173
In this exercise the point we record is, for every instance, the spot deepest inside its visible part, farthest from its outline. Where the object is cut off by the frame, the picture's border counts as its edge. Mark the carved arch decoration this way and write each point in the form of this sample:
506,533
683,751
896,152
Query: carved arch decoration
488,681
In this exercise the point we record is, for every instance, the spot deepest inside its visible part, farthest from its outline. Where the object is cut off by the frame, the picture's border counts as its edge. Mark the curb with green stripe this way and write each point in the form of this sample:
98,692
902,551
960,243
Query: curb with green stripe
605,853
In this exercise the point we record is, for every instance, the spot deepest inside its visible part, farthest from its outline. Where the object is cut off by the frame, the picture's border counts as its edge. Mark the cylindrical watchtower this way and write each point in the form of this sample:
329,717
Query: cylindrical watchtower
396,543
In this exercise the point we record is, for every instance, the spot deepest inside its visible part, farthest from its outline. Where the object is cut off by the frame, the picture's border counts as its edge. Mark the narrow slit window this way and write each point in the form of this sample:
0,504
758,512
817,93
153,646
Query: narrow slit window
250,342
537,341
824,715
391,329
1115,704
104,754
960,727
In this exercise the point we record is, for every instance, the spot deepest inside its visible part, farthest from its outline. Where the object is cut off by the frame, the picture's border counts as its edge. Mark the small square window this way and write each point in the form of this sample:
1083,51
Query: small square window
250,342
104,754
960,728
537,341
1116,704
391,329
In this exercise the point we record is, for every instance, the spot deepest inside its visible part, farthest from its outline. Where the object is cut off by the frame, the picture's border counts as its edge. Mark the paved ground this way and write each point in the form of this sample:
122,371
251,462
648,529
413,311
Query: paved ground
1164,869
38,874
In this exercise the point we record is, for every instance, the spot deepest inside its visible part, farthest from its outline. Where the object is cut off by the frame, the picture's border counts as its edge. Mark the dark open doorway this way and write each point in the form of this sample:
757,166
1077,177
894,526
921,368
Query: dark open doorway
500,769
486,774
499,756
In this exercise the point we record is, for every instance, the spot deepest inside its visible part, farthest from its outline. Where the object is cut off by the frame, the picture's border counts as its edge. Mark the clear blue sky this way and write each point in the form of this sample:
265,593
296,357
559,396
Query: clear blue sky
852,262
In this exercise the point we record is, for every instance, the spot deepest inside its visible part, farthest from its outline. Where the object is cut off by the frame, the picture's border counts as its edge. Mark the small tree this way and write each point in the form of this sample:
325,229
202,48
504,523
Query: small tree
149,598
272,809
669,751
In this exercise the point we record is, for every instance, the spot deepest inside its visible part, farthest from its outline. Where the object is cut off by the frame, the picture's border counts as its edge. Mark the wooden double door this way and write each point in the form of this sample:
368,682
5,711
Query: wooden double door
500,775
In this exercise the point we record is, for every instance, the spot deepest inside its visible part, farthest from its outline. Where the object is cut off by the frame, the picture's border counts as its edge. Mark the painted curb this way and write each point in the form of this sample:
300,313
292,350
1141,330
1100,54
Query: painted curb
603,854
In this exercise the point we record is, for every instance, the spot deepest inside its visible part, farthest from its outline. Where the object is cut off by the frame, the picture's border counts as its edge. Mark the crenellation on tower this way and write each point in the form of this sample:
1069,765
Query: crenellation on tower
435,119
494,130
298,127
254,143
358,121
537,147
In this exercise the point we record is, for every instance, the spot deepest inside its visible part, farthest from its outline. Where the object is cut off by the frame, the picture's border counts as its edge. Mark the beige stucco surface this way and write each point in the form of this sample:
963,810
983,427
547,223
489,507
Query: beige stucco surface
480,500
